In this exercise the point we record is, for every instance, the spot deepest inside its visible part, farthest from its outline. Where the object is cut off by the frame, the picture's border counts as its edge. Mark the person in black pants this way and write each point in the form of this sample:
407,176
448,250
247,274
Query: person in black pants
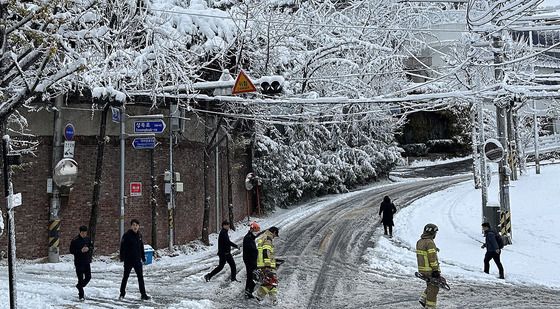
250,254
132,254
388,209
493,250
224,252
82,248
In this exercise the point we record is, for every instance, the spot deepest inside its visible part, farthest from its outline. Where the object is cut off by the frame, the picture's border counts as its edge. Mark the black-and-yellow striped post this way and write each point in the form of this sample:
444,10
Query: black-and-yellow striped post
505,226
54,240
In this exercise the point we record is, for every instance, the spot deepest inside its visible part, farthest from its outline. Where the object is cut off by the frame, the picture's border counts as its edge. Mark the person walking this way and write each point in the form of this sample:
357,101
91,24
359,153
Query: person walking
224,253
266,263
387,209
82,249
250,254
493,250
132,254
428,265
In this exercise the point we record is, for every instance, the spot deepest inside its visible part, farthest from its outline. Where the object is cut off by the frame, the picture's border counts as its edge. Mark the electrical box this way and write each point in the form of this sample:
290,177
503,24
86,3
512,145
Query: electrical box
167,188
178,187
177,177
167,176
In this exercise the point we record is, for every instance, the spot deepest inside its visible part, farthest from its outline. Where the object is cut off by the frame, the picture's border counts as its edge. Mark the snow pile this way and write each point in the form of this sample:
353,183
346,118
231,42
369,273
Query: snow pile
422,163
531,260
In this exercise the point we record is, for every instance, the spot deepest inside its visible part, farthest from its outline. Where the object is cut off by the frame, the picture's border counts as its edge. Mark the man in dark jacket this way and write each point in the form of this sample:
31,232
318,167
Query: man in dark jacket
388,209
132,254
82,248
492,250
250,254
224,253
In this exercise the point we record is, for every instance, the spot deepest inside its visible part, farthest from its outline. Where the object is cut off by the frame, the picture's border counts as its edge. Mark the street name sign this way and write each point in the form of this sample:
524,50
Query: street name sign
149,126
144,143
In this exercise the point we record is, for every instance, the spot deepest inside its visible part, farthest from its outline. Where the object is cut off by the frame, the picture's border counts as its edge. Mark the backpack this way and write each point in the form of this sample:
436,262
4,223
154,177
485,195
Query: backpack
500,241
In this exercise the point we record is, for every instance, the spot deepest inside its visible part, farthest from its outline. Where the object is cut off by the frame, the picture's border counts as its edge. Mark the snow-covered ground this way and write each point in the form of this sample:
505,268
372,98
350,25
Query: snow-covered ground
422,163
530,260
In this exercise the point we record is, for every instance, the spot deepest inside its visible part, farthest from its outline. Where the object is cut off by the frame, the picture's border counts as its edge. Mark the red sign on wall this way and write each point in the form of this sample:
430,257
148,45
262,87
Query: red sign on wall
135,189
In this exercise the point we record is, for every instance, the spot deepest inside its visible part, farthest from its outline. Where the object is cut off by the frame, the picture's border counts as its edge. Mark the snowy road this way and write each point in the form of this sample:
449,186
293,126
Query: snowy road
324,242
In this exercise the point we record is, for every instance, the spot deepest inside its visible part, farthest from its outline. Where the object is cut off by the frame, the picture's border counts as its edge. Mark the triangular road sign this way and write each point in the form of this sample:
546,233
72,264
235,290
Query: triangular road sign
243,84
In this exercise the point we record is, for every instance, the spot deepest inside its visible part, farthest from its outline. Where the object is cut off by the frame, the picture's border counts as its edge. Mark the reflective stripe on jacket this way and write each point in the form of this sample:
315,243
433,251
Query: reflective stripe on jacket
426,253
265,248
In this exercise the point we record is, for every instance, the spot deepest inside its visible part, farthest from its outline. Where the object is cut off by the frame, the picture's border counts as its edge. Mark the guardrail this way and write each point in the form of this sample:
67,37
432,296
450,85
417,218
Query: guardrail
547,143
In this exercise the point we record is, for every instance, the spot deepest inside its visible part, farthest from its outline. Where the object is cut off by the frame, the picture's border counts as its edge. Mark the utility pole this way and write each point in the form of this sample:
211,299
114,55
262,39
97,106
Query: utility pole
483,171
123,161
511,141
9,193
171,203
217,181
54,218
504,171
536,138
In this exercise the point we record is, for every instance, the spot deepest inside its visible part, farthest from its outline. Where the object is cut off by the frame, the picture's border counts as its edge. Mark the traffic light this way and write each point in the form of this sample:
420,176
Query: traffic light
272,85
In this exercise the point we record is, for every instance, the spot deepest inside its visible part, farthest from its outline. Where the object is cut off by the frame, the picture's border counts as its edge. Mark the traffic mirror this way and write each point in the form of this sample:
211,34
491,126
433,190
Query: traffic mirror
493,150
65,172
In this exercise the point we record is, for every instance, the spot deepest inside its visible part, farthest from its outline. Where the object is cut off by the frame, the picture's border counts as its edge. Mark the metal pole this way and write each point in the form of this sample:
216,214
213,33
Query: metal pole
171,205
536,138
54,219
153,203
9,191
483,171
511,142
123,162
504,171
217,185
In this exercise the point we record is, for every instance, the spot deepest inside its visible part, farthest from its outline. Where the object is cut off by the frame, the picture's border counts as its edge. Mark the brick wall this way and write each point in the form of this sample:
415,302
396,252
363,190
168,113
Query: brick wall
31,180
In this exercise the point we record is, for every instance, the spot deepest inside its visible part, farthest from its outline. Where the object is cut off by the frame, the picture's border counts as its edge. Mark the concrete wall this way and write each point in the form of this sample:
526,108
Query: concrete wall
31,180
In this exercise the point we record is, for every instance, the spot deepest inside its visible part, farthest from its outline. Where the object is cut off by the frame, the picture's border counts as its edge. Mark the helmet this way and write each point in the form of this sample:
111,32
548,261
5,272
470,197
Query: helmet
255,226
430,228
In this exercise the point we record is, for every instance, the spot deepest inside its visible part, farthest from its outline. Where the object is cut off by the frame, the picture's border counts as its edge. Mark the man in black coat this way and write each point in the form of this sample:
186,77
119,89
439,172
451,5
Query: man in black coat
224,253
132,254
388,209
250,254
493,250
82,249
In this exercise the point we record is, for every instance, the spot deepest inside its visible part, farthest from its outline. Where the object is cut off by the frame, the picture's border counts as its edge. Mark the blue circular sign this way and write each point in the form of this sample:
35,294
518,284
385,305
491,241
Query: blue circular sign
69,132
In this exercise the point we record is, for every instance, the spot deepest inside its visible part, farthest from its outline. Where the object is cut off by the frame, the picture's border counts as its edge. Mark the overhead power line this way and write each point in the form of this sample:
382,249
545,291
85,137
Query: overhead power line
318,25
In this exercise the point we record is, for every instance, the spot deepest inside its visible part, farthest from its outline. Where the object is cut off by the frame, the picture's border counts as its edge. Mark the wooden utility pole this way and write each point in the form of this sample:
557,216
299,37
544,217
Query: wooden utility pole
98,174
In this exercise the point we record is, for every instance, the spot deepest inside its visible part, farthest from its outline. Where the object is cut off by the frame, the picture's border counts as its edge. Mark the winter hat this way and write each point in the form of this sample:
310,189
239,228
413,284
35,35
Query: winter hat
274,230
83,228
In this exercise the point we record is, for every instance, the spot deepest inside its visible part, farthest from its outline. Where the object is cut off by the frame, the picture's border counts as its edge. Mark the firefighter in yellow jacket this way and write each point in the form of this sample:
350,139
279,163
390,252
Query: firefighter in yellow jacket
266,263
428,265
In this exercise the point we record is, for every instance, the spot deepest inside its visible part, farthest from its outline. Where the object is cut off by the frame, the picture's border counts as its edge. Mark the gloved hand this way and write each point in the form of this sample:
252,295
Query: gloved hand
483,246
498,251
435,274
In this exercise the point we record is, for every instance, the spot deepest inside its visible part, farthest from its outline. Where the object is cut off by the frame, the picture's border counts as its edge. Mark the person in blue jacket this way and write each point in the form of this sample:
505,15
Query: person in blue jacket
493,250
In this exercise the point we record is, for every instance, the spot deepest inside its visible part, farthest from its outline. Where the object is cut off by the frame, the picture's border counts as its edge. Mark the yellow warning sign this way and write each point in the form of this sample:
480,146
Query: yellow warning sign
243,84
